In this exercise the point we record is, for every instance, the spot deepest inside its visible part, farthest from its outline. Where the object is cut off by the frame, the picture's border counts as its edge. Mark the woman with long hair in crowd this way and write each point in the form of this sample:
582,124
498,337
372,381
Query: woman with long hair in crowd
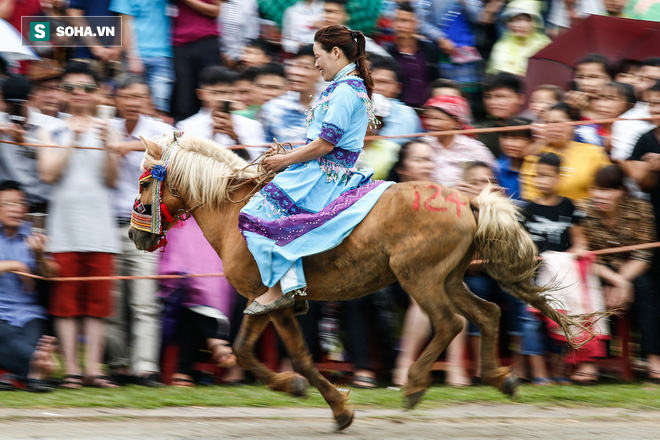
614,217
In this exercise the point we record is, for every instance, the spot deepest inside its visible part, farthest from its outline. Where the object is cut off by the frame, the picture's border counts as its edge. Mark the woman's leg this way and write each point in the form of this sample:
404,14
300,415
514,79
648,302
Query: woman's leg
67,333
95,330
456,372
415,335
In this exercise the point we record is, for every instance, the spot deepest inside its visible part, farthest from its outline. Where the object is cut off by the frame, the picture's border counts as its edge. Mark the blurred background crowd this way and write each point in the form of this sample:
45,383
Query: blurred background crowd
242,72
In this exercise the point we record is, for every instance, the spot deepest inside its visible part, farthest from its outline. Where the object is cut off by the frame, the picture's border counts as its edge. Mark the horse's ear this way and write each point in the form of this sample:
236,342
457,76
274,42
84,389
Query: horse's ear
153,148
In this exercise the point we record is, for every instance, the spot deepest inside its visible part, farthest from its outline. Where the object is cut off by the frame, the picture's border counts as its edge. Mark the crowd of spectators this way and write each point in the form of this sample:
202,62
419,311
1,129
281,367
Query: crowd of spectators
230,71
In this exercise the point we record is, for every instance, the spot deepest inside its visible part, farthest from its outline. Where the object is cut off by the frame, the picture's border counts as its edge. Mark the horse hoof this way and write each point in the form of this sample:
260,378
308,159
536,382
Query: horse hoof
345,419
413,399
298,386
510,385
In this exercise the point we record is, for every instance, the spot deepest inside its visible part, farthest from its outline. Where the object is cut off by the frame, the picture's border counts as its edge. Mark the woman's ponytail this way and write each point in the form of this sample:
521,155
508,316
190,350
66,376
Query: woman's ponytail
361,60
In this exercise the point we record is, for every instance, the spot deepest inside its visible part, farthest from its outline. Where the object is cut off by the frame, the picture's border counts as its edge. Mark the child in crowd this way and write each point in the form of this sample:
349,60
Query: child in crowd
503,101
554,224
614,100
257,53
513,147
522,39
628,71
543,97
443,86
269,83
476,177
244,90
591,74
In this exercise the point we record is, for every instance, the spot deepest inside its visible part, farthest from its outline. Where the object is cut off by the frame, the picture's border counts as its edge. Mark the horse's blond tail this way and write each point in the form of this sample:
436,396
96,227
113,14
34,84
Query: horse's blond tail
512,261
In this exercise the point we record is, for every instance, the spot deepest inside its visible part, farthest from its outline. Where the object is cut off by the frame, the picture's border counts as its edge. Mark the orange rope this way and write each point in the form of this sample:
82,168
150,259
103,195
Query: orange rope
607,251
397,136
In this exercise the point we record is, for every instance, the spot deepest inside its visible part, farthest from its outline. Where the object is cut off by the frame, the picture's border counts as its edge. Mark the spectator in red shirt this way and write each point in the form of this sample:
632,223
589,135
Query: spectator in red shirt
196,46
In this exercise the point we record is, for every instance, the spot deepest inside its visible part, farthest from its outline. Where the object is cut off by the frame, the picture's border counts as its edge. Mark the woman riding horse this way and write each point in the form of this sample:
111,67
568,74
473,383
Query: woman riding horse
313,204
421,234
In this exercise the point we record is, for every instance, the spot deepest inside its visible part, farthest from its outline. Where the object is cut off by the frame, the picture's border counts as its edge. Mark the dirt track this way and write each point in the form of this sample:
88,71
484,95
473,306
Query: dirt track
458,422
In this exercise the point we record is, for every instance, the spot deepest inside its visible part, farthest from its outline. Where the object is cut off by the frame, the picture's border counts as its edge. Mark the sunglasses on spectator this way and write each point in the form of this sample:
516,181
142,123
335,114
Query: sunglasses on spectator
85,87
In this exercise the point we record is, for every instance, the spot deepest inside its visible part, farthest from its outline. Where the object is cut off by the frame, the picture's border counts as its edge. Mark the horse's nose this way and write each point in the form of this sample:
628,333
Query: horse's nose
131,235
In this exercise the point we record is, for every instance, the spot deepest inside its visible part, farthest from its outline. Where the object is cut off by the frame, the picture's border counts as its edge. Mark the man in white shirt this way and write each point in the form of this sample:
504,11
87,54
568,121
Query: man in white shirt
239,23
215,120
134,345
300,23
284,118
625,134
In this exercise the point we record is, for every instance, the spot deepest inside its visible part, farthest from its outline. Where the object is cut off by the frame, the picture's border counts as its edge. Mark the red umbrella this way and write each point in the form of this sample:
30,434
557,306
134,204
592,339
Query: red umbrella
616,38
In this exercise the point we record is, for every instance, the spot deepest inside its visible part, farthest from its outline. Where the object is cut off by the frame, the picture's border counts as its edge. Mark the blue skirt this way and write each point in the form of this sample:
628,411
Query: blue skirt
307,209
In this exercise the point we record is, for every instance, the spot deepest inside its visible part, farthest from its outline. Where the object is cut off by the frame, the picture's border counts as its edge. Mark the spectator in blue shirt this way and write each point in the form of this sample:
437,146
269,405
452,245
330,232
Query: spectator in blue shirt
78,9
513,146
24,350
401,118
284,118
147,47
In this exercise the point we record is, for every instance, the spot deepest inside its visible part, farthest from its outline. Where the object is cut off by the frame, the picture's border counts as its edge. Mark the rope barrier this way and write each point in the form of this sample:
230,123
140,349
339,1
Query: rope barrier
397,136
411,135
605,251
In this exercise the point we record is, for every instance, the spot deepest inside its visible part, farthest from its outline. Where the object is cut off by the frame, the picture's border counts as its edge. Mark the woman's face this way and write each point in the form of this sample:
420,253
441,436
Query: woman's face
437,120
558,135
521,25
590,77
418,164
328,63
610,104
607,200
479,178
540,102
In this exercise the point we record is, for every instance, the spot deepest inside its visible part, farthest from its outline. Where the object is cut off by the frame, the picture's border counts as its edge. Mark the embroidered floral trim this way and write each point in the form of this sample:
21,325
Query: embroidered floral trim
331,133
280,201
344,72
285,230
357,84
338,165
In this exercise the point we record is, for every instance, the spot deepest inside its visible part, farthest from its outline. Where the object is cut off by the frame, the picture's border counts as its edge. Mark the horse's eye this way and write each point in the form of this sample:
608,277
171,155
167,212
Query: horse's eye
144,184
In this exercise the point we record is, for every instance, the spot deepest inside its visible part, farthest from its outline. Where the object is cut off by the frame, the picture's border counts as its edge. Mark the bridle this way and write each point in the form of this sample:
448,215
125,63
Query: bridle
149,218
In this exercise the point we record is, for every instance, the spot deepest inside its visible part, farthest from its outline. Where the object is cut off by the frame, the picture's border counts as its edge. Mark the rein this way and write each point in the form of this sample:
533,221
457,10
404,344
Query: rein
149,218
263,174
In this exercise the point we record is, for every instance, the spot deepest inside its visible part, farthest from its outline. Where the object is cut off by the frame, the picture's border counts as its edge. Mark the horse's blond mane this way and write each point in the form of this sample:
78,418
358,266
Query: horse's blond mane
201,170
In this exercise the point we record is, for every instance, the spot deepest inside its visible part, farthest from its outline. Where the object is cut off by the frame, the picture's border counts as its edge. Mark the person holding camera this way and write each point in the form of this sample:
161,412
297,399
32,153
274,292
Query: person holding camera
25,351
81,224
133,343
215,120
19,162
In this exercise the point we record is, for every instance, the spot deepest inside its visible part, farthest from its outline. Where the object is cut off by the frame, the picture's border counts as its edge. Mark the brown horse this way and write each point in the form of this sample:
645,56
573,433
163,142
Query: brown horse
420,234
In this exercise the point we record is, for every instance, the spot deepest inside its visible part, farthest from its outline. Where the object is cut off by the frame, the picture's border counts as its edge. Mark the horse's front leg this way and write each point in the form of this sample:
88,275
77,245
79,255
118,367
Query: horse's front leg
289,330
251,329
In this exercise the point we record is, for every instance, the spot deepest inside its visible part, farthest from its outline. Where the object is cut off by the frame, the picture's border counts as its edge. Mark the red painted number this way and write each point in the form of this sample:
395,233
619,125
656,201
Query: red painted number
454,198
427,204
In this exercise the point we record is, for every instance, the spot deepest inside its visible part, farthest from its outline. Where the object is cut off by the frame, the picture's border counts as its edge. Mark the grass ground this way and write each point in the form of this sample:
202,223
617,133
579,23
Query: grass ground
631,396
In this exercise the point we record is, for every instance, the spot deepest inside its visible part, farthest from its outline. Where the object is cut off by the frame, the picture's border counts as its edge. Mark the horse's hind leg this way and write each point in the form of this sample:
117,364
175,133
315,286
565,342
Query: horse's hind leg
486,316
289,330
446,325
251,328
